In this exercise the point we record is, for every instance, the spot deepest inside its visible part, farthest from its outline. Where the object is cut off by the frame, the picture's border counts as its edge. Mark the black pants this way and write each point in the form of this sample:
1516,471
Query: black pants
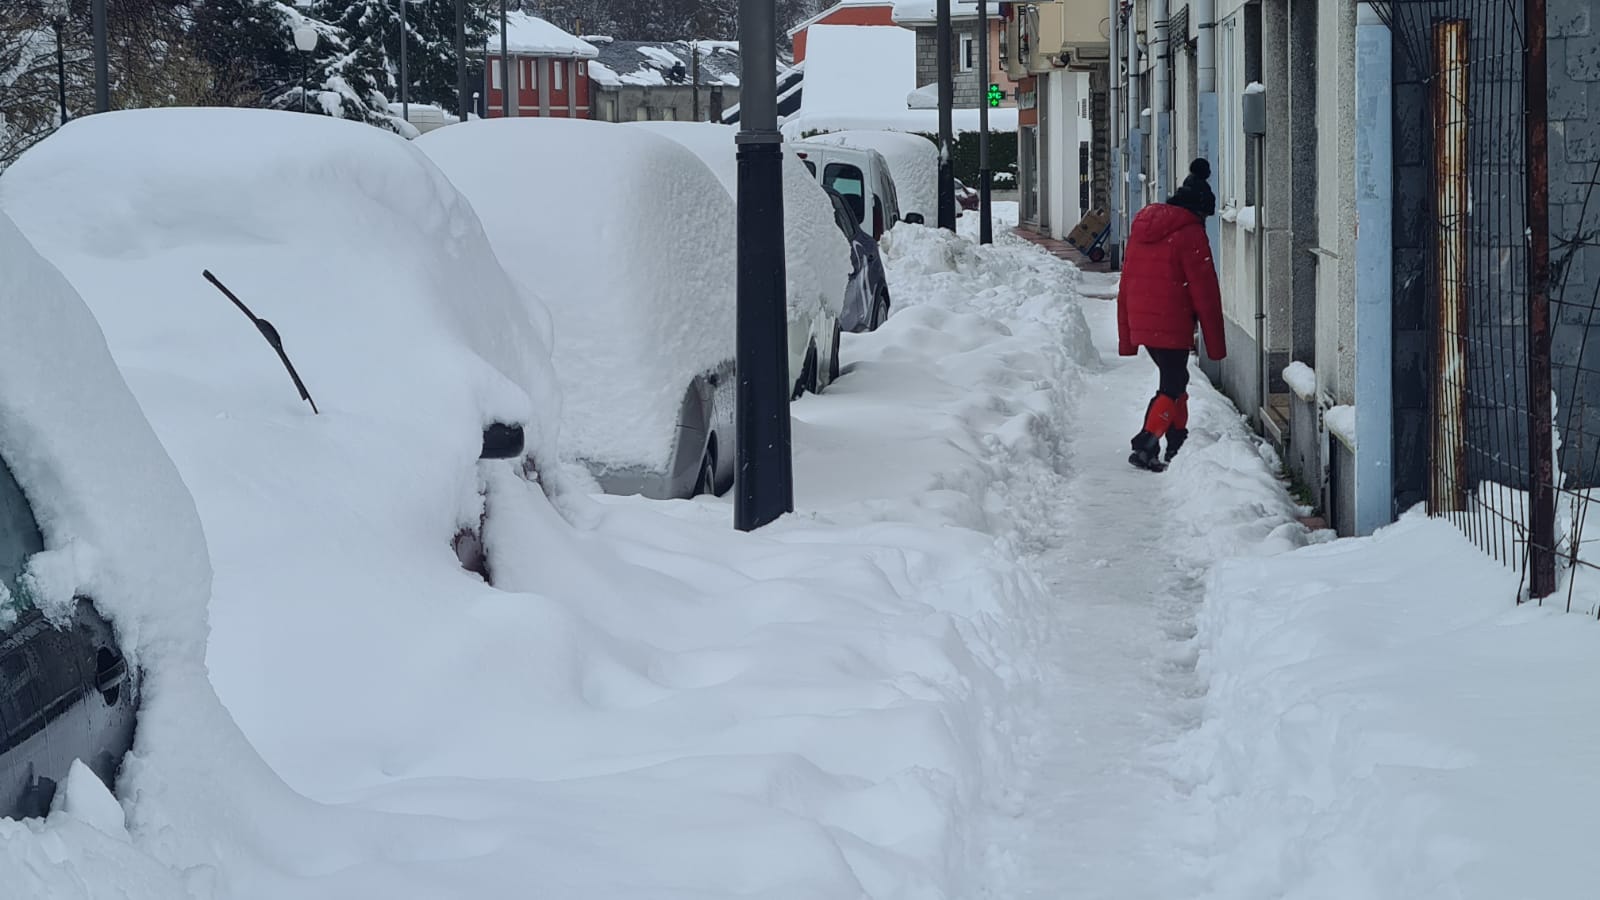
1174,366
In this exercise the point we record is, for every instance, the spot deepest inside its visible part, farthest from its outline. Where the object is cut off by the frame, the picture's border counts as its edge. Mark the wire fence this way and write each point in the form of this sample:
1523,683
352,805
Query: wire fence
1505,281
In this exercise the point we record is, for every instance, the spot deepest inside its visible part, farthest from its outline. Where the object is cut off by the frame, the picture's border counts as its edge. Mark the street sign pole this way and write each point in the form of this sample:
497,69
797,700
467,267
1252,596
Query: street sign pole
947,183
463,89
985,176
763,467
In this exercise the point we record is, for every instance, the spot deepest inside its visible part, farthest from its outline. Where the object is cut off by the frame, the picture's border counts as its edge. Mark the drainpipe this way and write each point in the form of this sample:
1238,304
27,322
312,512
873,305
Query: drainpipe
1205,14
1159,101
1114,136
1135,188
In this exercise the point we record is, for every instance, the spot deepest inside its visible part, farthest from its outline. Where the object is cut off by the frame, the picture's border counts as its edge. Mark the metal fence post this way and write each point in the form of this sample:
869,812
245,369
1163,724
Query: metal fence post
1541,468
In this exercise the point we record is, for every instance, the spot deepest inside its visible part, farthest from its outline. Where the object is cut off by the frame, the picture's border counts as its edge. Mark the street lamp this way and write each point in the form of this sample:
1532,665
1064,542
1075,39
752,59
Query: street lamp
985,174
58,10
947,185
763,467
305,40
405,74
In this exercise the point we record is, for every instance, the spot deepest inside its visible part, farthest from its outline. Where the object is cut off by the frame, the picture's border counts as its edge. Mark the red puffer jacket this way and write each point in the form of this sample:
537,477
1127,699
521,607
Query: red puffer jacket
1168,283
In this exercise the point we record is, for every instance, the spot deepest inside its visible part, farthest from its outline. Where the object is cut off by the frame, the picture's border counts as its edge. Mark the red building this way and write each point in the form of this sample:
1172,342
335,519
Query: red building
549,70
845,12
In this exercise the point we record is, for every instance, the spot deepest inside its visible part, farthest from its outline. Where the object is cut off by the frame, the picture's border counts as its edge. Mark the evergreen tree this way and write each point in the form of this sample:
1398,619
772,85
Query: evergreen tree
373,30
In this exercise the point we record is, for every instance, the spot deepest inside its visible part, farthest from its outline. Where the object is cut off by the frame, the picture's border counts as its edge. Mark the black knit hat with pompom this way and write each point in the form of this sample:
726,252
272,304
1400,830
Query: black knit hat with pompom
1195,195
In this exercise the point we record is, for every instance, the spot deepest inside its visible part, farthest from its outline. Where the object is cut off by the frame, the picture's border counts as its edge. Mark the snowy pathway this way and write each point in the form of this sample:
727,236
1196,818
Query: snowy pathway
1101,812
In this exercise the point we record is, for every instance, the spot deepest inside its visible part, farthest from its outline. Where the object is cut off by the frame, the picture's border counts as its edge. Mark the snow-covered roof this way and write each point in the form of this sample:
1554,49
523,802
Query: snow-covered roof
657,63
640,284
858,69
528,35
925,12
835,8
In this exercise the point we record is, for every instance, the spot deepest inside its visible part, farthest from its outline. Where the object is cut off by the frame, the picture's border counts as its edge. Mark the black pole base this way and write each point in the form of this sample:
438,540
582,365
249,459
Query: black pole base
985,206
763,468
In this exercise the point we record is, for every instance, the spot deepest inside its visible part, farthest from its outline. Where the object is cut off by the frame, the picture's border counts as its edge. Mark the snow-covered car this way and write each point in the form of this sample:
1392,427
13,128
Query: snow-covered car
862,178
630,238
815,260
96,530
867,302
967,197
913,165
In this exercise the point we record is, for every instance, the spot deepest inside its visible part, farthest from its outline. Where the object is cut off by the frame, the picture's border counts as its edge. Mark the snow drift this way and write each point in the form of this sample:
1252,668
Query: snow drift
631,242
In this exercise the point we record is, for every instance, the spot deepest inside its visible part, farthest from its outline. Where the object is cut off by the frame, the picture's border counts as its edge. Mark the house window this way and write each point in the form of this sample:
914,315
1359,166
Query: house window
969,53
530,74
608,109
494,75
561,68
669,115
642,113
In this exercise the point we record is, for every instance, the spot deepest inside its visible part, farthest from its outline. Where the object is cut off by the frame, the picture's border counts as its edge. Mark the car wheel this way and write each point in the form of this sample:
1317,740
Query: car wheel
808,375
833,361
707,483
880,311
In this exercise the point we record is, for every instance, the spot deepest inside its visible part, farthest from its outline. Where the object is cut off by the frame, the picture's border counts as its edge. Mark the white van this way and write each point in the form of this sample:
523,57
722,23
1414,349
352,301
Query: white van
862,177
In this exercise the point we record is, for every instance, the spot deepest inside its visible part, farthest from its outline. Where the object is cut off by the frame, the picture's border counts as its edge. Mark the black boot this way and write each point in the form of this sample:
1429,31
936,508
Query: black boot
1147,452
1175,439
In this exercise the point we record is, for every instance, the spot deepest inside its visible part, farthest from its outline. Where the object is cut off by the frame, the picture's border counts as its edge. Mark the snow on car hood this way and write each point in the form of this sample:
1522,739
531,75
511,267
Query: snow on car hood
631,241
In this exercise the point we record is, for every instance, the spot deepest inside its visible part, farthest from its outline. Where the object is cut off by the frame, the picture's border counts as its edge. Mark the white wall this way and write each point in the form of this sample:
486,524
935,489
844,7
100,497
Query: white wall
1062,121
1336,199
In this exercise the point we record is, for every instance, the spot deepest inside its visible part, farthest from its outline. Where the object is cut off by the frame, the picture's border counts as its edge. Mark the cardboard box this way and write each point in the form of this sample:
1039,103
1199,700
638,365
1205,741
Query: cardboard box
1082,237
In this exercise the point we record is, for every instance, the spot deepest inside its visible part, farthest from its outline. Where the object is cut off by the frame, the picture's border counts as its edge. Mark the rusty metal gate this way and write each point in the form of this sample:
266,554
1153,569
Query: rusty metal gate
1495,287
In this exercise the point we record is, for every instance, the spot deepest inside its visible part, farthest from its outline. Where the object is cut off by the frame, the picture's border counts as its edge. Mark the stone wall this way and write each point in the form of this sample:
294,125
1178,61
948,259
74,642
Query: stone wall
970,87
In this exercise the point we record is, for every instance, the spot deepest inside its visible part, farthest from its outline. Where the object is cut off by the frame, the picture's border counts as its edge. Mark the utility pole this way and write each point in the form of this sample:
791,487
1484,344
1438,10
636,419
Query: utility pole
61,66
102,77
505,67
763,467
694,75
463,89
405,74
947,184
985,176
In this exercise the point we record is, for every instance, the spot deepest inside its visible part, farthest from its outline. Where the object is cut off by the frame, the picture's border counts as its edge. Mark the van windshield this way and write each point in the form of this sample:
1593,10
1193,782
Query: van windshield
848,181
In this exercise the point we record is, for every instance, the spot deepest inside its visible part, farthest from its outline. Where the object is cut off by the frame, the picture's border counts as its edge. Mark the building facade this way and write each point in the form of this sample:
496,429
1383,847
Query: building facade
845,12
547,67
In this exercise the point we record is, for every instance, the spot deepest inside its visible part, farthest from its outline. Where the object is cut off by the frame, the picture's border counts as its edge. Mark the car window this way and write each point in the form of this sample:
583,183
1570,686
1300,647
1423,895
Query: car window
841,215
19,533
812,167
851,185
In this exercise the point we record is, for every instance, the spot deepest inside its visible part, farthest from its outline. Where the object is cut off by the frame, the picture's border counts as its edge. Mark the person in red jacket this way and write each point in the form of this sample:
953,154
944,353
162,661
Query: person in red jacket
1168,285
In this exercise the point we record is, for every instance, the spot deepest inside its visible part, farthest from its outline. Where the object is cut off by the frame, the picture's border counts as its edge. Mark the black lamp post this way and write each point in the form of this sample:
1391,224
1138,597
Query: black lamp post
985,175
58,11
947,183
763,467
102,75
305,40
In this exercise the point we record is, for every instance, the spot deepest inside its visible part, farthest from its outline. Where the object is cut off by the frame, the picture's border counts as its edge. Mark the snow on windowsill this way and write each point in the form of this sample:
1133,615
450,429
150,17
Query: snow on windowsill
1341,422
1302,379
1246,218
1256,87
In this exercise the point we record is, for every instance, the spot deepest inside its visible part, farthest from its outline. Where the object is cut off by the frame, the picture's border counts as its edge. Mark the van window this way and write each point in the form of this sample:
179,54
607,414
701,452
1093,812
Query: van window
848,181
810,167
19,533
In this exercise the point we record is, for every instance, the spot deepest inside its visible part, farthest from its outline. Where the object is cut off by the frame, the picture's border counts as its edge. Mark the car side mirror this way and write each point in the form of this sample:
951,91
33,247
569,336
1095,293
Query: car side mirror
915,219
501,441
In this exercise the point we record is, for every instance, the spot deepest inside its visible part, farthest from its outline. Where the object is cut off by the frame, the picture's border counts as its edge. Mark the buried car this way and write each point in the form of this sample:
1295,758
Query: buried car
866,304
816,267
630,239
80,473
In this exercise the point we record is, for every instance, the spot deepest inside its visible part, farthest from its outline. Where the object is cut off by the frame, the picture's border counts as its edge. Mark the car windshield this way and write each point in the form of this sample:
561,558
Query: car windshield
849,183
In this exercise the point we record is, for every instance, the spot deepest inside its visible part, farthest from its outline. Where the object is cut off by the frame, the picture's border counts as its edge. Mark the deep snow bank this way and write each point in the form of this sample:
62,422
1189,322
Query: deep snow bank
1384,722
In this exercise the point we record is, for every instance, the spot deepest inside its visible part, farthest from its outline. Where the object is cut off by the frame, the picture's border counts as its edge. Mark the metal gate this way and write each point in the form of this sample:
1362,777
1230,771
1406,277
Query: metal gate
1492,282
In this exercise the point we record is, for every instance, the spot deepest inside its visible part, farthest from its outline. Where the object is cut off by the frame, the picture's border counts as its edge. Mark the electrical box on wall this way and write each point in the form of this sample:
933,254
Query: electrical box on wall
1253,108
